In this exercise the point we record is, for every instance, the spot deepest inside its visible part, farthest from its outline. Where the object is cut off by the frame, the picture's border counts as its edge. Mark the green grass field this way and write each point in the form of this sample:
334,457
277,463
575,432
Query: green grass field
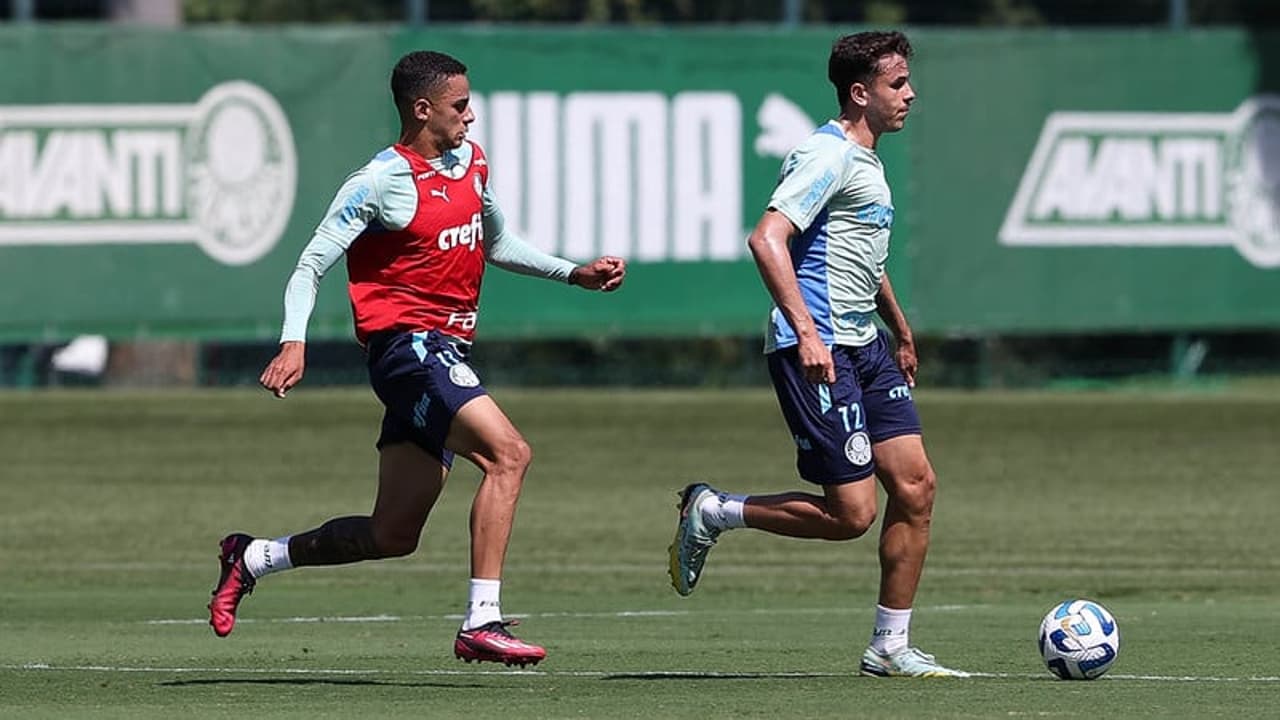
1163,507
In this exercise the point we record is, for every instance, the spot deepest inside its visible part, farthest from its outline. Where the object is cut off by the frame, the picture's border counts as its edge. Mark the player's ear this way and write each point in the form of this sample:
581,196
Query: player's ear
421,109
858,94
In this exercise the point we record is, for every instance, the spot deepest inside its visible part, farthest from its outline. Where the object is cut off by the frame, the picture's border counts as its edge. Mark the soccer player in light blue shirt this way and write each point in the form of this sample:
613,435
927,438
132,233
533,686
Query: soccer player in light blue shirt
844,391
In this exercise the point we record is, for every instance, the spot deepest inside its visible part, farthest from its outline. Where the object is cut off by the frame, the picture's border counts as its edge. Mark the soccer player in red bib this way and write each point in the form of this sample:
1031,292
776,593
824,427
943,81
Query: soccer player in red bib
417,225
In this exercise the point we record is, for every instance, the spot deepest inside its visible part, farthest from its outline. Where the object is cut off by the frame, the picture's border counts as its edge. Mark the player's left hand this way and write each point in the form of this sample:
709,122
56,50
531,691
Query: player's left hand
603,274
285,369
905,356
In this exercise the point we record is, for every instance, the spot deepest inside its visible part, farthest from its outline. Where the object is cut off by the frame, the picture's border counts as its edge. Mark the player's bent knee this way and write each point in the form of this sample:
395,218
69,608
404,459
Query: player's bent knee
851,526
396,543
513,457
398,547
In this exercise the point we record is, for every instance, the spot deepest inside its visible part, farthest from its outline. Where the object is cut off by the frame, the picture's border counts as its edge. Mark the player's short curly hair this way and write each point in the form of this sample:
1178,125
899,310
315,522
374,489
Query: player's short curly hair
856,58
418,74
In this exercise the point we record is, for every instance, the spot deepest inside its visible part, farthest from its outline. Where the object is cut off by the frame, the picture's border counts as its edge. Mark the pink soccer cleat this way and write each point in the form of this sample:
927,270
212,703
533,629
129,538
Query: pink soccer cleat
233,584
492,642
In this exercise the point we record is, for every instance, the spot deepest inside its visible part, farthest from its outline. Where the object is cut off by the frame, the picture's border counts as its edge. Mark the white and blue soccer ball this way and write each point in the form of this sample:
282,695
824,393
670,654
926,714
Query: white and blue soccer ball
1079,640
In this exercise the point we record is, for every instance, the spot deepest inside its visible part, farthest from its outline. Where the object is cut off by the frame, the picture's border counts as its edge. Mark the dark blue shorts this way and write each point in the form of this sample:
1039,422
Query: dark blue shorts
423,379
835,425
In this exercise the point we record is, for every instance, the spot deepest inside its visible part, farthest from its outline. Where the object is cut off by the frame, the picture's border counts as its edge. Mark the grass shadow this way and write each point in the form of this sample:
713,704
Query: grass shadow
320,681
726,675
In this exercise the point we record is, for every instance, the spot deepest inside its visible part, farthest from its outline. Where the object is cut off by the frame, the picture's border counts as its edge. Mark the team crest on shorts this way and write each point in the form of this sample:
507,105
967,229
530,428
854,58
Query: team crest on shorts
858,448
463,376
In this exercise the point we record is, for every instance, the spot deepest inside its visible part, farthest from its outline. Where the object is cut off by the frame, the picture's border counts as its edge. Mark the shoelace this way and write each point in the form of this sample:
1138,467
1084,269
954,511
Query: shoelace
497,626
247,583
922,655
697,546
698,551
247,580
692,538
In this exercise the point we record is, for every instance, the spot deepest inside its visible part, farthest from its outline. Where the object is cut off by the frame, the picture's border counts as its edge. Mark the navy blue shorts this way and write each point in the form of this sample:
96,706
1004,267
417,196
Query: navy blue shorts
423,379
834,426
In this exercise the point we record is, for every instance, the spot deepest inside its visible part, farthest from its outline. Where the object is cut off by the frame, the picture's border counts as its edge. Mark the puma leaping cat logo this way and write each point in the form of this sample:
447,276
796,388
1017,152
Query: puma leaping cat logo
442,193
783,125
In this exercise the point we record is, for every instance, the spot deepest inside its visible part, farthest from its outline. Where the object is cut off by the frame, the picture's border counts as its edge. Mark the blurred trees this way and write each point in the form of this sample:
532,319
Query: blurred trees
1003,13
277,11
987,13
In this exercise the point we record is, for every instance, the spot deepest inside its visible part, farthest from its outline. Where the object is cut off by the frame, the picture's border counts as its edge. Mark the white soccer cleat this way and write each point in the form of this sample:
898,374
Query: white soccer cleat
694,539
907,662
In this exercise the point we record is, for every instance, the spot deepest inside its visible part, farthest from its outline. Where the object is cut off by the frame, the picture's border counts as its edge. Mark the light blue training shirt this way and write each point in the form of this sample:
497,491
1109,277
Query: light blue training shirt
834,191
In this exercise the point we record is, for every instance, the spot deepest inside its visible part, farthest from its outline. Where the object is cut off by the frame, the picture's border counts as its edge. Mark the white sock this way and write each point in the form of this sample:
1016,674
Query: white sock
264,557
890,633
724,511
483,607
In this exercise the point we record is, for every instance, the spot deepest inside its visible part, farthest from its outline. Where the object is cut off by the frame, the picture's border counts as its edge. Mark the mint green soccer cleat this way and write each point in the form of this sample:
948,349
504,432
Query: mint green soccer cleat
907,662
693,539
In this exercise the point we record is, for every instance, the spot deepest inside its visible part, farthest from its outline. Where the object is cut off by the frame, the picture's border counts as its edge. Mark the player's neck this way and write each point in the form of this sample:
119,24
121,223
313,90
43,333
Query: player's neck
421,143
427,150
857,130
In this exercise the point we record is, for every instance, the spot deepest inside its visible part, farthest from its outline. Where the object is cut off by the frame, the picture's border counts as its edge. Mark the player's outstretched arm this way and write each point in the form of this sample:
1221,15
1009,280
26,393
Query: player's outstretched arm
285,369
510,252
604,274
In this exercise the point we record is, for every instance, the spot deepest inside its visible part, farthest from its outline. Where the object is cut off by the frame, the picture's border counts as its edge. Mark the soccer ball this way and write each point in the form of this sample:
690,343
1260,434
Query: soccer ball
1079,640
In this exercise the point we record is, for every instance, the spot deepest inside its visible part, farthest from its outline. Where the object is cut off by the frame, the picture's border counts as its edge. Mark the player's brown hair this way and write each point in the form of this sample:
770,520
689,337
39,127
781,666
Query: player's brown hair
856,58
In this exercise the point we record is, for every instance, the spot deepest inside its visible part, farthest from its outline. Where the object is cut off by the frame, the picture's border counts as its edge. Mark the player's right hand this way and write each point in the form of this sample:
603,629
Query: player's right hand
605,274
816,361
285,370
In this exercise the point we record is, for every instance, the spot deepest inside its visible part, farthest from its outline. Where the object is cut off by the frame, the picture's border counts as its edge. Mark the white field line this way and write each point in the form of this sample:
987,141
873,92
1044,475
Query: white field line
726,569
383,618
620,674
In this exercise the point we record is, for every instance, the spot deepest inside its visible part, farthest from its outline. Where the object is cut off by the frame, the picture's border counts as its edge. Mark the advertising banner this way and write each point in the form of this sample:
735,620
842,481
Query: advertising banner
162,183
